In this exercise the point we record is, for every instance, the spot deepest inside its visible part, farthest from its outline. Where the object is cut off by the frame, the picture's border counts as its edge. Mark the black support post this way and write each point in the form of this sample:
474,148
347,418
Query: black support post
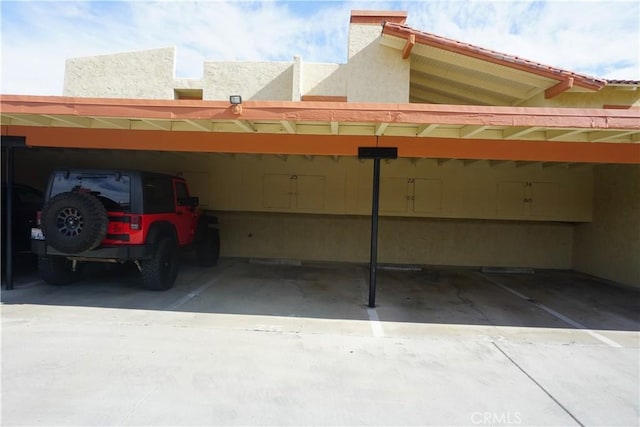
8,214
375,153
9,143
373,263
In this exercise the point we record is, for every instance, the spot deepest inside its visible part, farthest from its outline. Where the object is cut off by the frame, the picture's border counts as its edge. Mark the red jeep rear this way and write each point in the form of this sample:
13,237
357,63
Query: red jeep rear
120,216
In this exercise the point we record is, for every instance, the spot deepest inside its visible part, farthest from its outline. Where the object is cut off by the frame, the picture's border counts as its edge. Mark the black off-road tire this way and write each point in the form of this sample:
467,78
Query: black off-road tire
207,245
56,270
74,222
159,273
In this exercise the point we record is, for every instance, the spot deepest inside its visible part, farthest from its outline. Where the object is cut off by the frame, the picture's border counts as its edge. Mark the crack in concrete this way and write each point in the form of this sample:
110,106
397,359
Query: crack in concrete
521,369
471,304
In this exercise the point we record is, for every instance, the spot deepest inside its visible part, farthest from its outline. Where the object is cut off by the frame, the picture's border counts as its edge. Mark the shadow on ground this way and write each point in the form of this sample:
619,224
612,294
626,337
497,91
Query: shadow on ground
340,291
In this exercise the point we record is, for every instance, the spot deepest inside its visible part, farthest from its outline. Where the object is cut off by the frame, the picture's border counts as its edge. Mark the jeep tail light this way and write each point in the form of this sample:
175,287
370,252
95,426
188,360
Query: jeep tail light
39,218
136,222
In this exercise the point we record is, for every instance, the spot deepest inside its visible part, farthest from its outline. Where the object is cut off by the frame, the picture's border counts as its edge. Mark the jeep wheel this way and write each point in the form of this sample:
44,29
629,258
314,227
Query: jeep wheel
160,272
208,248
56,270
74,222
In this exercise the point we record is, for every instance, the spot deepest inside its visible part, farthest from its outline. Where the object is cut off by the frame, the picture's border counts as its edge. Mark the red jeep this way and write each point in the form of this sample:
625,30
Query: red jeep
93,215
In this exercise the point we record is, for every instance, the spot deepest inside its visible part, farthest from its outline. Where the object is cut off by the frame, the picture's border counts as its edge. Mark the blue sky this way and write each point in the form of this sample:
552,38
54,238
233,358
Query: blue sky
592,37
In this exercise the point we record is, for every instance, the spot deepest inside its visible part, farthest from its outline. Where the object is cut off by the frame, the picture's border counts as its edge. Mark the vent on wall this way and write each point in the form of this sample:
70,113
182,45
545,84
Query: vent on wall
195,94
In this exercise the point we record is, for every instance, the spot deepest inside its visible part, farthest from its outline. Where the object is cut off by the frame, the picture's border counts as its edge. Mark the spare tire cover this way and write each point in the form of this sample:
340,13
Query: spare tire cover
74,222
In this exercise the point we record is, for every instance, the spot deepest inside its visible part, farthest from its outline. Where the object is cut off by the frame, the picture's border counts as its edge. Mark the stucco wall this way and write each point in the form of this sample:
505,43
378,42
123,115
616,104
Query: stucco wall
143,74
266,81
609,247
336,226
376,73
401,240
324,79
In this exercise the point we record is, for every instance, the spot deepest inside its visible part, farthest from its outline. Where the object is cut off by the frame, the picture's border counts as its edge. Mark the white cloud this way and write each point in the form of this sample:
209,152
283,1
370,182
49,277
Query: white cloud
591,37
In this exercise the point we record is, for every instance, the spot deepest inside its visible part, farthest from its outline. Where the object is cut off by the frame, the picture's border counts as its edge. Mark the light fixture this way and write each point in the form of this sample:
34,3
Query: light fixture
236,102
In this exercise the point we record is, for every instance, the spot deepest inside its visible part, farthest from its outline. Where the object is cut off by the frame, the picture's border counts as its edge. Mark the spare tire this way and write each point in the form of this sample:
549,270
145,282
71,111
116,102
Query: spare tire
74,222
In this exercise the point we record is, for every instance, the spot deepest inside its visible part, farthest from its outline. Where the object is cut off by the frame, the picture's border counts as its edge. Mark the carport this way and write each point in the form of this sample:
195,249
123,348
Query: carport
129,130
501,161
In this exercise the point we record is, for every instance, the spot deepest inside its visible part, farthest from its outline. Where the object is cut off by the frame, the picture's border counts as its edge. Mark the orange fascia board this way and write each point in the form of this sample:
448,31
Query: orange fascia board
535,151
376,17
621,107
578,118
398,30
210,142
336,145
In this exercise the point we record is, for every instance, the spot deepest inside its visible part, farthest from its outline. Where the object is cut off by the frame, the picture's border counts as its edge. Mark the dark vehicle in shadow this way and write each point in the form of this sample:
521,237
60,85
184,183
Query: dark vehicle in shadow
26,203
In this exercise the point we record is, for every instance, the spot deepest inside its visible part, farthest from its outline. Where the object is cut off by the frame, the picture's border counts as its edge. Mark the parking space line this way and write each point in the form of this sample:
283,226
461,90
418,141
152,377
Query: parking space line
554,313
194,294
376,324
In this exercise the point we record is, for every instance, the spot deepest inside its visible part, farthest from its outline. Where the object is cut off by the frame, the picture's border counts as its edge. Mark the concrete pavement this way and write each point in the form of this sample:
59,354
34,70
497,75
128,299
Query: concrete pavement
250,344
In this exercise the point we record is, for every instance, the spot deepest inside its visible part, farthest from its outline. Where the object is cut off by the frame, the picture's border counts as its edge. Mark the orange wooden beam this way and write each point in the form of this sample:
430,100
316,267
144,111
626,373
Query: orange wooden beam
559,88
378,16
408,46
538,151
122,139
323,98
336,145
587,118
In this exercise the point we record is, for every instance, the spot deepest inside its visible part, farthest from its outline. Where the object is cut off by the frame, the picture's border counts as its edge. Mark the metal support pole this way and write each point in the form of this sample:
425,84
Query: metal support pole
373,264
9,219
376,153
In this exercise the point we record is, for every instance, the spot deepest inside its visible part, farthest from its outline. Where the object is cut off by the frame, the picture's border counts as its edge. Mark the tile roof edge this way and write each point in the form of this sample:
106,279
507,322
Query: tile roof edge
500,58
623,82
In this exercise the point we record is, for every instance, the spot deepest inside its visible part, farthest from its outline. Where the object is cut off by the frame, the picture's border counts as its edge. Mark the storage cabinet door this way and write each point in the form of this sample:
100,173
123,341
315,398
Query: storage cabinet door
545,199
511,200
310,192
394,195
427,196
277,191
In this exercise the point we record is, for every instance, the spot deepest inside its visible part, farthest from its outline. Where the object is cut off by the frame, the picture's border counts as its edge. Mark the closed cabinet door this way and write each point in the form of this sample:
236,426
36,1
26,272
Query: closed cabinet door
277,191
394,195
427,196
309,193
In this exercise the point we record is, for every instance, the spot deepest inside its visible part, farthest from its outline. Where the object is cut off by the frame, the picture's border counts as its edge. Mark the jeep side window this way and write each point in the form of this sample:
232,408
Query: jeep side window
158,194
182,194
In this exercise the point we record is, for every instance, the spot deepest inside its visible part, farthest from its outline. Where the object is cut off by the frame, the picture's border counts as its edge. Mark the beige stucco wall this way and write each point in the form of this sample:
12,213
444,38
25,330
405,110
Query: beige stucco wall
609,247
324,79
142,74
401,240
266,81
342,186
241,188
376,73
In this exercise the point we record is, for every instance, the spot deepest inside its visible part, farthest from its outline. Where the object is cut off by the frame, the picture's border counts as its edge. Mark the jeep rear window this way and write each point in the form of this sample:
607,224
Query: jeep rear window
112,189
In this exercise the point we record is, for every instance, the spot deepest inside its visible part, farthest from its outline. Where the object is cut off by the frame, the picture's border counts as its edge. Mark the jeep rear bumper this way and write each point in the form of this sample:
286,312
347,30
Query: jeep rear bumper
102,253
